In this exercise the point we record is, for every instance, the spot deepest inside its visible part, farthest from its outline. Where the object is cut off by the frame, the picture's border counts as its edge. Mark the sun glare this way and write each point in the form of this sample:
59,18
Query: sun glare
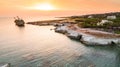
44,6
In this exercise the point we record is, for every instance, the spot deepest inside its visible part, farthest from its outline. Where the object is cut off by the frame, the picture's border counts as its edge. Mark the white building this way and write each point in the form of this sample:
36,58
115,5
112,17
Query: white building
90,16
103,22
111,17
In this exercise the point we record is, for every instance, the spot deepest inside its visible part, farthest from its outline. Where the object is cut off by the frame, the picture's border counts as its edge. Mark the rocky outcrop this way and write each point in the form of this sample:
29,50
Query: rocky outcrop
61,29
91,40
69,33
85,38
74,35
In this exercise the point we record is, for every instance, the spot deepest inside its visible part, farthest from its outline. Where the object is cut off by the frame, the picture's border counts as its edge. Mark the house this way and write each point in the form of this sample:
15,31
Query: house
90,16
103,22
111,17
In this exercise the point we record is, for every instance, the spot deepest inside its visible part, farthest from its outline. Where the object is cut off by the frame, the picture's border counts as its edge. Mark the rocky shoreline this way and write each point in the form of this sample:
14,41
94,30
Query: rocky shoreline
86,38
84,35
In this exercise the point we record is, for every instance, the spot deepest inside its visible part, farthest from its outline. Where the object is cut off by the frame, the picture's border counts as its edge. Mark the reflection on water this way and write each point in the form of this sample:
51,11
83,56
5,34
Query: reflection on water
38,46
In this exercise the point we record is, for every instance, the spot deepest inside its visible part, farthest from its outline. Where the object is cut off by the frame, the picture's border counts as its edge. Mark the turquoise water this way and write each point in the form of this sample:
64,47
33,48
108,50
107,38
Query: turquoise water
38,46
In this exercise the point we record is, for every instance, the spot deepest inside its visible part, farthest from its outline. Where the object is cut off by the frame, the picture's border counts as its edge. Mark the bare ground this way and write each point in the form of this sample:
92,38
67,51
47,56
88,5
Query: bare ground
100,34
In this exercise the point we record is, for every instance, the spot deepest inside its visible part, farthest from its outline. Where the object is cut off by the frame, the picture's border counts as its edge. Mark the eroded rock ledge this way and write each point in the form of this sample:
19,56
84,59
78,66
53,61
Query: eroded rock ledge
86,38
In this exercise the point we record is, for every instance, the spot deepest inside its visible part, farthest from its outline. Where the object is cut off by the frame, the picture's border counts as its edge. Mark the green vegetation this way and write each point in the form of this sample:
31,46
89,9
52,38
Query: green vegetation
117,31
89,22
113,24
116,22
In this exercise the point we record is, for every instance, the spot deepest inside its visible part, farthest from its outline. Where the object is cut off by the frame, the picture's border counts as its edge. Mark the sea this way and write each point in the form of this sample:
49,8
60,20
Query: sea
39,46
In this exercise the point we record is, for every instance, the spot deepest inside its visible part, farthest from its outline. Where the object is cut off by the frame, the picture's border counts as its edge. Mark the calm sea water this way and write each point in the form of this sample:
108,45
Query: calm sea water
38,46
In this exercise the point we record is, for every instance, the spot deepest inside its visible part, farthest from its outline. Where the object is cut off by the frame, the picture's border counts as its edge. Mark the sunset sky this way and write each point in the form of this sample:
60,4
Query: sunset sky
57,7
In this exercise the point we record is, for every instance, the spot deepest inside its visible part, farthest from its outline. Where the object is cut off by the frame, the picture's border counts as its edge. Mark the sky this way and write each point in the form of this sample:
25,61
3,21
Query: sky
58,7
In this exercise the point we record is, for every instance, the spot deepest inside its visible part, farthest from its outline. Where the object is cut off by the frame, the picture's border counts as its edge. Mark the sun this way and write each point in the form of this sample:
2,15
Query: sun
44,6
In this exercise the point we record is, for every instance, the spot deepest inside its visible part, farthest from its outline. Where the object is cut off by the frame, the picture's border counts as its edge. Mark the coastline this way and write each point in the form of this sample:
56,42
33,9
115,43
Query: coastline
89,36
96,33
89,39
